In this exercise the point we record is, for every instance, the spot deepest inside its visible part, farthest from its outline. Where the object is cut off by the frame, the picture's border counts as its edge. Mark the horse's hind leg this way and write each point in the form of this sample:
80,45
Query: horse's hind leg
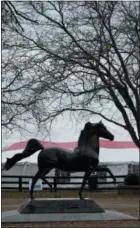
34,180
39,175
46,181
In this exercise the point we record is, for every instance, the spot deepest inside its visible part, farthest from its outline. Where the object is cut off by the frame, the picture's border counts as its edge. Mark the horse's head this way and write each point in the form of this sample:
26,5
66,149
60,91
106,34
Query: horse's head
93,129
101,130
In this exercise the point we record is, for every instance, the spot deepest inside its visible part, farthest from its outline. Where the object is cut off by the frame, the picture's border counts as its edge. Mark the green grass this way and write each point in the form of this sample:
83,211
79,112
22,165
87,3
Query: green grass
59,194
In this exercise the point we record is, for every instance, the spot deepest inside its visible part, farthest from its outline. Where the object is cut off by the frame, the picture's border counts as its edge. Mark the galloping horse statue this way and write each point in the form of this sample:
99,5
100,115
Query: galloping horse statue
85,159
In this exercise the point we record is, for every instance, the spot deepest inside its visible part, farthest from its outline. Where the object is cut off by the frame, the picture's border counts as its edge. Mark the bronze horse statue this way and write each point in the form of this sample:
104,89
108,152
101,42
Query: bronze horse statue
85,159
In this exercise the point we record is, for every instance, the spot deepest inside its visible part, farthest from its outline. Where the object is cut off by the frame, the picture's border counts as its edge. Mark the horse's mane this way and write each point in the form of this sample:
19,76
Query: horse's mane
83,138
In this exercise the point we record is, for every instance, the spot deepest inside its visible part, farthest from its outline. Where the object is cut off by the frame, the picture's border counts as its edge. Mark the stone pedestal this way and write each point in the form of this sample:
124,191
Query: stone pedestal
54,210
42,206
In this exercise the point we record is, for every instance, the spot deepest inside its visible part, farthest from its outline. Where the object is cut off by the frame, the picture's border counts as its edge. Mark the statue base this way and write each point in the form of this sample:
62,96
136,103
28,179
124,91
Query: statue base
64,205
54,210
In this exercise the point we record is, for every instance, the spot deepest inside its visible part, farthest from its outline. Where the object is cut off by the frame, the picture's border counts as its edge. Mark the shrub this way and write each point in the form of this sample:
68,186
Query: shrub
131,179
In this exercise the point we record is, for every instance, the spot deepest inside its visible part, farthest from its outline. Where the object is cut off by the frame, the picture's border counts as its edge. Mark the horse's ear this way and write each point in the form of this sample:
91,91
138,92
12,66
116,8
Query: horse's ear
100,122
87,125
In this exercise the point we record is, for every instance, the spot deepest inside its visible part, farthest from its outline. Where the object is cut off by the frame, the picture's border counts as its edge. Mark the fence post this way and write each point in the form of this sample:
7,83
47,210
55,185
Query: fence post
55,183
20,184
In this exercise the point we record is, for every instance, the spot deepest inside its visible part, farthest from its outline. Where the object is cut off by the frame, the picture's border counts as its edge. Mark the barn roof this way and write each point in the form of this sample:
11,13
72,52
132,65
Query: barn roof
110,151
71,145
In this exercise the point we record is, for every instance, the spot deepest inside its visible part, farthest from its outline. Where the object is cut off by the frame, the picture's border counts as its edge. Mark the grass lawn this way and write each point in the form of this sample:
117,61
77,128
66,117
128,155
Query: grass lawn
64,194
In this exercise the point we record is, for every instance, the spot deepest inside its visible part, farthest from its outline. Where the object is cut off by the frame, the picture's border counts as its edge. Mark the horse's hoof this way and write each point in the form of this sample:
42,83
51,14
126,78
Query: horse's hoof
81,197
51,190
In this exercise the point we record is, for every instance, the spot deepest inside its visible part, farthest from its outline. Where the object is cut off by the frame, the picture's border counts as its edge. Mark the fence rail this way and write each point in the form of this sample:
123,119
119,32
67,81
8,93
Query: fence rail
21,181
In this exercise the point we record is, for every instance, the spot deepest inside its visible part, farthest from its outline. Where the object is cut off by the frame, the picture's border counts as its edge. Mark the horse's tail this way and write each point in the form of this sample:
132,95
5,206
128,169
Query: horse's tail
32,146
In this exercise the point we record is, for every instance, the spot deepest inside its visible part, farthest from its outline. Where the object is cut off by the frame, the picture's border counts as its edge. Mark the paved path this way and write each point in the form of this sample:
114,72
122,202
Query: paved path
111,224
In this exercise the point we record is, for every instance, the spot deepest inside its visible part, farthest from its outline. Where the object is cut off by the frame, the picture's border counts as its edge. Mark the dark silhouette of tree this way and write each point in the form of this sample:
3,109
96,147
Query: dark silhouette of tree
84,58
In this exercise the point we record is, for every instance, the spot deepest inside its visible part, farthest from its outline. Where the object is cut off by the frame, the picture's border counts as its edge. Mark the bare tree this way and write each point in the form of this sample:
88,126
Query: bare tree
15,85
84,58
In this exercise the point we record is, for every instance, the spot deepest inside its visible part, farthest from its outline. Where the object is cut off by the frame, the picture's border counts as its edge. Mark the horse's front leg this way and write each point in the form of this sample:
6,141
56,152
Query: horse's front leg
111,174
105,169
86,176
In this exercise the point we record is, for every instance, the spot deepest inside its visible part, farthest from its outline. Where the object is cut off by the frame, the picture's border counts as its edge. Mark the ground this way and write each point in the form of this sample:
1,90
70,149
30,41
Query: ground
128,204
